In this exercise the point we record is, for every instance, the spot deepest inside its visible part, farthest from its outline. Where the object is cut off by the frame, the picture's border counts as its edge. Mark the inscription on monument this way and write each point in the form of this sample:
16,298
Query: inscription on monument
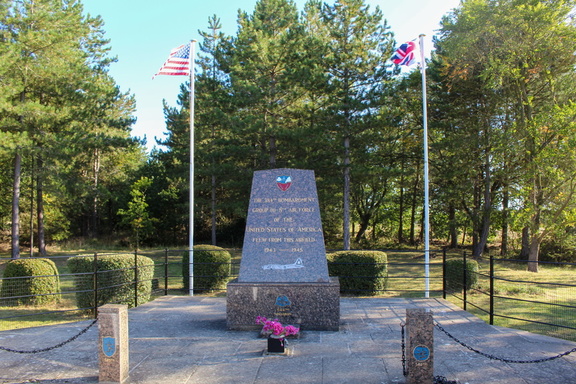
283,241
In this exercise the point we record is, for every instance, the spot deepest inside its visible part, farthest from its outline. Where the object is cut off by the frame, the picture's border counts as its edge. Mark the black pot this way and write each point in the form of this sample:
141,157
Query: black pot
275,345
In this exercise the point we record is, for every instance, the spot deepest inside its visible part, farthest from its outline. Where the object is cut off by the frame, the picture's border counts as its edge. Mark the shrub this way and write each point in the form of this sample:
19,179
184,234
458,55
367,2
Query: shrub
360,272
115,277
211,268
455,274
30,282
558,251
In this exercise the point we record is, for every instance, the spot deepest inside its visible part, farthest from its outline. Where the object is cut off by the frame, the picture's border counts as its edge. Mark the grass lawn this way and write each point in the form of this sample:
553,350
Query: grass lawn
521,295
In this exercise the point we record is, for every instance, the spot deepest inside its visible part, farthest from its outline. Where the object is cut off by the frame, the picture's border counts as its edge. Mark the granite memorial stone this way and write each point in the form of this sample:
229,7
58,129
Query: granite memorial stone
283,241
283,271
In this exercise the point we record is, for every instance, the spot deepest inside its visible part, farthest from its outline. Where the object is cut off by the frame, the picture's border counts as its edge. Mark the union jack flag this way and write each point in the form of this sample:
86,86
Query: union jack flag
405,54
178,63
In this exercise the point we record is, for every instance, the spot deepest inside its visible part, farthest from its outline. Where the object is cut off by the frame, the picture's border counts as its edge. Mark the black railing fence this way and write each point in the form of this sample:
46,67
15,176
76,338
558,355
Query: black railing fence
503,292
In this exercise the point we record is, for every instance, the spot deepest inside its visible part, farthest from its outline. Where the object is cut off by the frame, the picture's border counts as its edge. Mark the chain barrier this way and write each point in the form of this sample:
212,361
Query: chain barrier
55,346
492,357
403,343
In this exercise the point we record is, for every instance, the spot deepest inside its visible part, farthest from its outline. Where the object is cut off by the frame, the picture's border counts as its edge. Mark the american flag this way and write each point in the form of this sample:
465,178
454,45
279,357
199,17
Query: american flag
178,63
405,54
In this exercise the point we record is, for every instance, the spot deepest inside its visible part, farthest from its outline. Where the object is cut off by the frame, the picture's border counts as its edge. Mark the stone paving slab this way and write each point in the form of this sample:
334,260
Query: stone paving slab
180,339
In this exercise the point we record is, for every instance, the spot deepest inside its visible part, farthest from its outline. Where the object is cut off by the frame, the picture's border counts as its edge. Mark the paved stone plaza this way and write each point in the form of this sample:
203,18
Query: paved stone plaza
179,339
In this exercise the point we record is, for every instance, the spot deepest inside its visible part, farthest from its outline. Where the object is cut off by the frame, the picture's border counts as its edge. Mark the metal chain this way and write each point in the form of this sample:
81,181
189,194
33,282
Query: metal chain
55,346
492,357
443,380
403,343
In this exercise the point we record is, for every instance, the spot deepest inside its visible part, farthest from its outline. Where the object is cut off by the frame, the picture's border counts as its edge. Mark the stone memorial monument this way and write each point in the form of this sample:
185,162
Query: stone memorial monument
283,271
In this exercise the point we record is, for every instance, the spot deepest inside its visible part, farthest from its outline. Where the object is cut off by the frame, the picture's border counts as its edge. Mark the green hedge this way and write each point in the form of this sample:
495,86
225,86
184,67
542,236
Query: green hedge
116,276
360,272
211,268
35,279
455,274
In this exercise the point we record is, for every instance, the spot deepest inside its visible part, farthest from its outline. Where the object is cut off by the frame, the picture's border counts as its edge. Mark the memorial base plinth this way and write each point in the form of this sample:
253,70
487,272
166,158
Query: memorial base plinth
311,306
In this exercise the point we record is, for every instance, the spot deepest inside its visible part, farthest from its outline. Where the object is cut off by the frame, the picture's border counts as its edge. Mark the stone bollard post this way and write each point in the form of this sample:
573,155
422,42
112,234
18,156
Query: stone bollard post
419,353
113,352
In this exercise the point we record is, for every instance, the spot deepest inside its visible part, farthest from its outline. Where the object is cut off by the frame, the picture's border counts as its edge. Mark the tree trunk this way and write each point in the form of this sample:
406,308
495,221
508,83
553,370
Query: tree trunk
213,204
533,254
475,237
414,205
505,216
346,225
32,176
40,209
535,237
452,227
15,244
95,201
273,152
401,208
525,250
364,224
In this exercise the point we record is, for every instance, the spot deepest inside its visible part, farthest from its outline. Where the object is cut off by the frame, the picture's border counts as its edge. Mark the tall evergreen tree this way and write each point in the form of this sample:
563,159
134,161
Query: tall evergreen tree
359,42
55,64
263,72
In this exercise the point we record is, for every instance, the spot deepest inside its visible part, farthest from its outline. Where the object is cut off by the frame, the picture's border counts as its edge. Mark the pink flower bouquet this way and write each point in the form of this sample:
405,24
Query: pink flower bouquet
274,327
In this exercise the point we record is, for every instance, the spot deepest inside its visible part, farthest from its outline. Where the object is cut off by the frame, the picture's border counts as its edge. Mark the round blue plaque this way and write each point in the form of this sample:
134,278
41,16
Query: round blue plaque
421,353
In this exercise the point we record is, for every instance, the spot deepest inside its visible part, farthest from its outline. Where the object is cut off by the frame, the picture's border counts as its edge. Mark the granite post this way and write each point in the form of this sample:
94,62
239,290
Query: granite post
283,271
420,353
113,352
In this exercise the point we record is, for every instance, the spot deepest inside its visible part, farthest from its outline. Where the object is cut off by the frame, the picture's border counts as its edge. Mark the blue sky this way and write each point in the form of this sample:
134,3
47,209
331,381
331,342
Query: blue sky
142,33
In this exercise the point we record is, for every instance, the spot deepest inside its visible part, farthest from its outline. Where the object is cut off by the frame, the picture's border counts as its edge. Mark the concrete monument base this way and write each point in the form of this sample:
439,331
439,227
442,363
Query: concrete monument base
310,305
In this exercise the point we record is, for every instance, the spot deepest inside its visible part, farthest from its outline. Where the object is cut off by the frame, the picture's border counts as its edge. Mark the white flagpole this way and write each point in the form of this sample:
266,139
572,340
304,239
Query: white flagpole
426,194
191,202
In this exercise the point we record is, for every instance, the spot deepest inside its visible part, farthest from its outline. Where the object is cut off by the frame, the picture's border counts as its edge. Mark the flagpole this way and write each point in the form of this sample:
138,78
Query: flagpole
191,197
426,193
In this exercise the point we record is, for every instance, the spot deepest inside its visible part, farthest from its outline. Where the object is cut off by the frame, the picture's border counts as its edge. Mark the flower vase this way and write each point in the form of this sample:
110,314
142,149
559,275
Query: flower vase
276,344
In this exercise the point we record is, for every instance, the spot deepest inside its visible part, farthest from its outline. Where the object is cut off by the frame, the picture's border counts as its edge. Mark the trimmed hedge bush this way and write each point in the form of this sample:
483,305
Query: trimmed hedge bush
211,268
360,272
116,276
455,274
30,282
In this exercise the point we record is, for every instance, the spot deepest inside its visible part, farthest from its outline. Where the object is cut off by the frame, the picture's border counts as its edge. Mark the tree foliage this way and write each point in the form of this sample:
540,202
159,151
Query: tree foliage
61,114
312,89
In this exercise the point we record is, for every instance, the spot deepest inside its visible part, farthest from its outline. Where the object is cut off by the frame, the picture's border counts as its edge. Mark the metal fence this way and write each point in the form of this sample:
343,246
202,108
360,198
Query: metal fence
504,294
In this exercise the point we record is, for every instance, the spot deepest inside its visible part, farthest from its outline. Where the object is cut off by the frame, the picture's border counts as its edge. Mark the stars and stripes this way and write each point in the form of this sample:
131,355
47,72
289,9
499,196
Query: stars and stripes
405,54
178,63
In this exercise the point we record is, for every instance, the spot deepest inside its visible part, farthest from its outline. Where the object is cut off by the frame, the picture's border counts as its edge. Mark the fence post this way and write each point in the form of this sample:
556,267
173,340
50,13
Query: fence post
444,273
95,284
464,280
420,356
113,354
136,278
166,272
491,290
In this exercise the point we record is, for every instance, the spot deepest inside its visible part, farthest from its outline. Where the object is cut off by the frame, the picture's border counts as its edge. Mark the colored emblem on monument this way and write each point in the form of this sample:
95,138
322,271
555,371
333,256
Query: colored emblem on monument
283,301
109,346
284,182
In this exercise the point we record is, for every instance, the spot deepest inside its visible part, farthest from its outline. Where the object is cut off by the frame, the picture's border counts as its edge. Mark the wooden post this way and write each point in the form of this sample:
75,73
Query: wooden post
113,352
420,351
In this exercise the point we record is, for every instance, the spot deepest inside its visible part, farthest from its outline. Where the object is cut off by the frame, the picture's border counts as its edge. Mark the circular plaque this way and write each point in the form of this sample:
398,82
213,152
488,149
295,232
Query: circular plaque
421,353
